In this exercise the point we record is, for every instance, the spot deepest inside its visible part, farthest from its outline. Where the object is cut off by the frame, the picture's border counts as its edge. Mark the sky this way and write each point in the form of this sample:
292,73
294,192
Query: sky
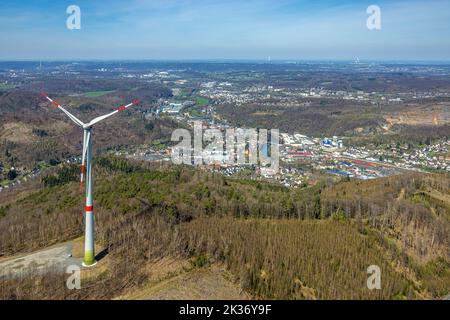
225,29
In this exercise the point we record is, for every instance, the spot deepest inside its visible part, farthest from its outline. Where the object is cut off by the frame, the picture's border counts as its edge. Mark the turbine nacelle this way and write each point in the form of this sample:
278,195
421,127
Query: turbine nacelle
87,127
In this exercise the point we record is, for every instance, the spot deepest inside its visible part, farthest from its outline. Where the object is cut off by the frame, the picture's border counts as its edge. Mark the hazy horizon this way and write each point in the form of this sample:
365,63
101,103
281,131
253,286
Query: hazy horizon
233,30
234,60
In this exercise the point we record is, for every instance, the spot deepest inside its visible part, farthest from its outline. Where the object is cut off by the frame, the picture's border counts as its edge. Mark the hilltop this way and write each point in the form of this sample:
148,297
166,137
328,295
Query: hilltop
311,243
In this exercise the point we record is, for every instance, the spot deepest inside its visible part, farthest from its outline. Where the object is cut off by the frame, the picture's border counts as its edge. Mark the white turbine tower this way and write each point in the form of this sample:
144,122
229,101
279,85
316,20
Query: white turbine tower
89,252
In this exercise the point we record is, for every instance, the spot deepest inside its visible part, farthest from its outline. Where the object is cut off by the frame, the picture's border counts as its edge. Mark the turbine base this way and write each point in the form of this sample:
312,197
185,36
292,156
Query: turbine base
89,265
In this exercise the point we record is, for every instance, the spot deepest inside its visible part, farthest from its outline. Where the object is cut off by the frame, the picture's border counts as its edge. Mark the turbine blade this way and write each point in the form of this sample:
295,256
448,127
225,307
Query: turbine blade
83,159
98,119
71,116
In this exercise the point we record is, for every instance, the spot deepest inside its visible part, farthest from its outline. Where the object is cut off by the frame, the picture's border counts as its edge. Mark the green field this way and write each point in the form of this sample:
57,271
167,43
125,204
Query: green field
4,86
4,183
196,113
201,102
94,94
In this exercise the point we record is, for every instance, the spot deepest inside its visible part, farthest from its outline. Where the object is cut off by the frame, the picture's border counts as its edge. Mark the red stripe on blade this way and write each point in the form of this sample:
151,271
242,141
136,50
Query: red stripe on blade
121,108
89,208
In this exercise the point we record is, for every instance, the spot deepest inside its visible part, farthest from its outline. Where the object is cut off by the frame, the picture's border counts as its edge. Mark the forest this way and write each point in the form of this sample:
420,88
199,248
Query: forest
33,132
308,243
322,117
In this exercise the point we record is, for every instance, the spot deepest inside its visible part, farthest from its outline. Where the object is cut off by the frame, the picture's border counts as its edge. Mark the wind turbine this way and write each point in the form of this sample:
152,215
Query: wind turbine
89,253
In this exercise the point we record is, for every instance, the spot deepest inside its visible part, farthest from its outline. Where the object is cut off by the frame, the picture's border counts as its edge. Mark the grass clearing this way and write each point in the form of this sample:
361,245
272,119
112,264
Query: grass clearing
6,86
201,101
95,94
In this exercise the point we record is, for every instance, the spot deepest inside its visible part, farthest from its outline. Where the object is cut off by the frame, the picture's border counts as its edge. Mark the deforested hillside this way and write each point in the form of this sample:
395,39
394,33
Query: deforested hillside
279,243
286,259
329,117
411,210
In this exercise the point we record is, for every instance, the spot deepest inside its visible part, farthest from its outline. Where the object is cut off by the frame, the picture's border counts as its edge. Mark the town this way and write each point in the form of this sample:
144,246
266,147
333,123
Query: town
245,100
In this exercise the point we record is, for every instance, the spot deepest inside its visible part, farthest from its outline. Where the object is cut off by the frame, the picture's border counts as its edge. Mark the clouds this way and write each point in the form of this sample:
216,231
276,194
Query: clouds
283,29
